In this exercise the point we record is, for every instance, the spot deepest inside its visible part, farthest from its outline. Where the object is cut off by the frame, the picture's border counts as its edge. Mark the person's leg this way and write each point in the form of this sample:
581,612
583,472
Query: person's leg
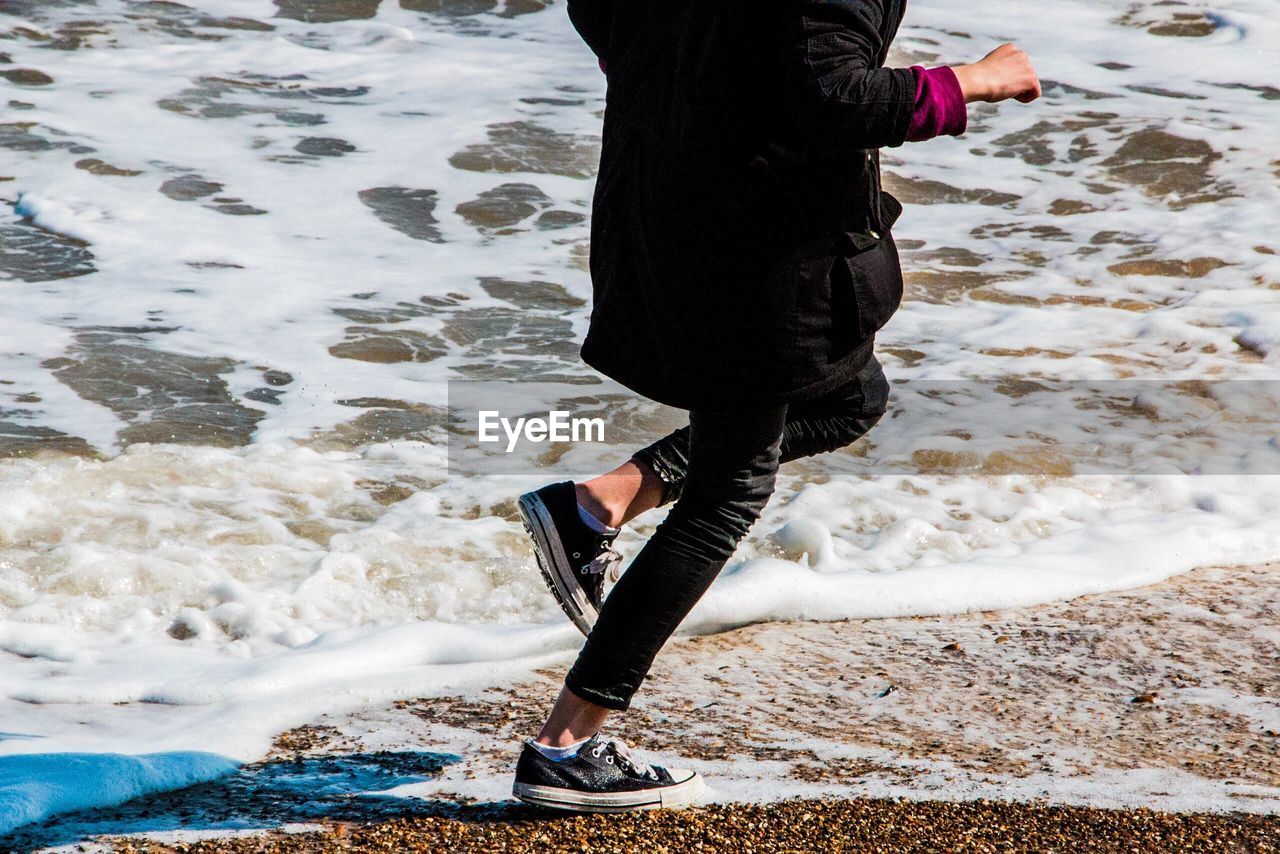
654,475
839,418
719,500
733,461
817,426
573,525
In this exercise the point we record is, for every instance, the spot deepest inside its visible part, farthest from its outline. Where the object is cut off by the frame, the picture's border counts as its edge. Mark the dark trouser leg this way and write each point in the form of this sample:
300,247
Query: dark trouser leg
732,460
812,427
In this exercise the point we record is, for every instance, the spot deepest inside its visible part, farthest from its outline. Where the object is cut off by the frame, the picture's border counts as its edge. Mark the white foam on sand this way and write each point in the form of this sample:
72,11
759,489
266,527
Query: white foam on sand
168,599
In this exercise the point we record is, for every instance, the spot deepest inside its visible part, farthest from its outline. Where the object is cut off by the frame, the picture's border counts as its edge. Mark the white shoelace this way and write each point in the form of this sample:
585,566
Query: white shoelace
609,561
623,752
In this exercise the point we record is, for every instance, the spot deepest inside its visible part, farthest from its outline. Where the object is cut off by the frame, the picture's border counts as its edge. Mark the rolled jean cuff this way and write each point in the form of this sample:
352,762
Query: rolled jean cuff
667,464
609,701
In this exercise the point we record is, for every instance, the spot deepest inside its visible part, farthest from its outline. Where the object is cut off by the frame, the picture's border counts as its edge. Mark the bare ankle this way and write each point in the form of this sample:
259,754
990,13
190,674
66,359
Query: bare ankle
572,719
563,739
591,502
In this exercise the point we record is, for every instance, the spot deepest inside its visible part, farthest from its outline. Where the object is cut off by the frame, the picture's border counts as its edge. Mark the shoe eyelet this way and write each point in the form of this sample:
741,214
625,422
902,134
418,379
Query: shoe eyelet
596,753
577,555
609,759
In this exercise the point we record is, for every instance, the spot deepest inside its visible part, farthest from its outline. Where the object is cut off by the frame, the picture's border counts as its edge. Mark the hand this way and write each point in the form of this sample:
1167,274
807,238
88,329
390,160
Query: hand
1004,73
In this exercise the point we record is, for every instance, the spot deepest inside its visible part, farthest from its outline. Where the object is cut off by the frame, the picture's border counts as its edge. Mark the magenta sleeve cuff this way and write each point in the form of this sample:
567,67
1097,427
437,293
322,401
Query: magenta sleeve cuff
940,109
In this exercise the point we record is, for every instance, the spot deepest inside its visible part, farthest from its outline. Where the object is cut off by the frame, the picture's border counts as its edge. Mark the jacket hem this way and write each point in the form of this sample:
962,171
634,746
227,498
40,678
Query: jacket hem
656,388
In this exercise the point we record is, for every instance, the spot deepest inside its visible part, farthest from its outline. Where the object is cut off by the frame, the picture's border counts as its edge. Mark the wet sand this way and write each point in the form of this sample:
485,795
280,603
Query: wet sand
1156,696
1163,697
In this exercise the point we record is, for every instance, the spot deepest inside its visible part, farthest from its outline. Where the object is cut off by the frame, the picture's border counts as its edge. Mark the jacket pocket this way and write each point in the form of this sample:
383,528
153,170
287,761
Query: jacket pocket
874,281
868,210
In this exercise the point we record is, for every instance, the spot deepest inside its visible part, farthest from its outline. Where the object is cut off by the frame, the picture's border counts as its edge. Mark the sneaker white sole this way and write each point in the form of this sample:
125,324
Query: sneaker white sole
554,563
677,795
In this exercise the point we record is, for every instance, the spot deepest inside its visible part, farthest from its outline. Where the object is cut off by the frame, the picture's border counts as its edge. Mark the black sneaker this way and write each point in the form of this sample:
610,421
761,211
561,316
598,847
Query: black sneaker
603,776
573,558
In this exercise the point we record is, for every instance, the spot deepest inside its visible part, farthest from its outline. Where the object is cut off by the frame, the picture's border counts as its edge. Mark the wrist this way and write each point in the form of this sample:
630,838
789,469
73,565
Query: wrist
971,82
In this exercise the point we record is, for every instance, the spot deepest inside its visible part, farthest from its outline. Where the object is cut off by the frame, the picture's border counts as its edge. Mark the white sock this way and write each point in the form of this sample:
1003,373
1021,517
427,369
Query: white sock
559,754
593,523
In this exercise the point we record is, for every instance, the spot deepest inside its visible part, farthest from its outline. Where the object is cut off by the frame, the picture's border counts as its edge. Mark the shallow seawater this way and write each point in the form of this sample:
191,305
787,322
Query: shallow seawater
245,246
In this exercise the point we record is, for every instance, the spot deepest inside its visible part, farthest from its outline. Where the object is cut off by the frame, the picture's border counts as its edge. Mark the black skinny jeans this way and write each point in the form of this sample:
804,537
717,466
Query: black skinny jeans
720,470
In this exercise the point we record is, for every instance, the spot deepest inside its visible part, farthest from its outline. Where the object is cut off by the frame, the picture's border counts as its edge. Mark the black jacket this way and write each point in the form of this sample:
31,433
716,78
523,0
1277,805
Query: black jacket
739,245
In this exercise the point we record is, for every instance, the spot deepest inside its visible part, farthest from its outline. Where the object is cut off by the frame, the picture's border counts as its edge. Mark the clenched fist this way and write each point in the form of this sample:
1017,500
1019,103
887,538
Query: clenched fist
1004,73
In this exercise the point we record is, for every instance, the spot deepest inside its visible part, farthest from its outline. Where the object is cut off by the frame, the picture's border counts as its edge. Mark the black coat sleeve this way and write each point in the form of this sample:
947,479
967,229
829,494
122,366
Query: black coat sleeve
592,19
844,98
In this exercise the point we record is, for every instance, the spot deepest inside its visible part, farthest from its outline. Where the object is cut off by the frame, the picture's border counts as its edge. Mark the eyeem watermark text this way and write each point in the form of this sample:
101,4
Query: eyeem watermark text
558,426
1038,426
